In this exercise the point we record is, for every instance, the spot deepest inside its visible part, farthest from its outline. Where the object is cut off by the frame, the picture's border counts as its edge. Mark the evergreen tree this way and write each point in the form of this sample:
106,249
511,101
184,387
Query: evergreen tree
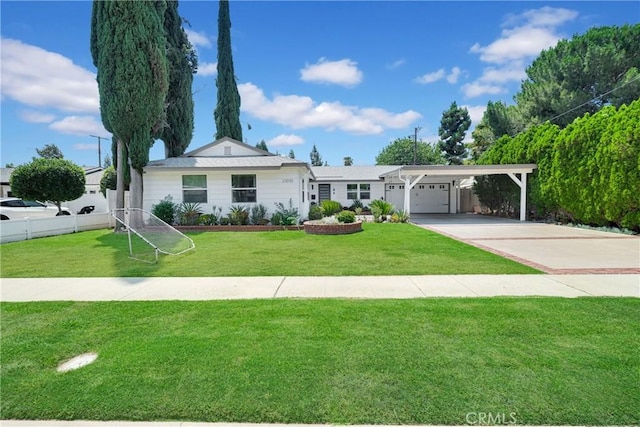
227,112
292,155
453,126
132,77
50,151
183,64
316,158
262,145
348,161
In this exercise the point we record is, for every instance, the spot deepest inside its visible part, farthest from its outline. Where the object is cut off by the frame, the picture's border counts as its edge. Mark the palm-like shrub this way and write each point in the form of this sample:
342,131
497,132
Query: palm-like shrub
188,213
238,215
385,207
330,207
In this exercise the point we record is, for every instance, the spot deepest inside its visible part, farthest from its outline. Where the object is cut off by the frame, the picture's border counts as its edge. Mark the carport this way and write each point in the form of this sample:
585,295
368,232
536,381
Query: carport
411,175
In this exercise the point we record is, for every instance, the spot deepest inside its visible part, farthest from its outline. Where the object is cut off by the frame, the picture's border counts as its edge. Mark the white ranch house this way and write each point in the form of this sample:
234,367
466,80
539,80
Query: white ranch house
227,172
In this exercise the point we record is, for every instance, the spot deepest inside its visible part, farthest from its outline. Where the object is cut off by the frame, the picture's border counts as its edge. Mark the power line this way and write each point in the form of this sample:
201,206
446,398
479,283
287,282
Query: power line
595,99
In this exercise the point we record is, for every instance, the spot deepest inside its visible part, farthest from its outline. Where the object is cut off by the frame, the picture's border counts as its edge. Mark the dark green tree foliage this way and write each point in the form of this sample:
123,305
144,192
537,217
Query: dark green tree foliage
400,152
588,171
227,112
108,180
453,126
348,161
292,155
50,151
52,180
183,64
262,146
128,45
595,69
316,158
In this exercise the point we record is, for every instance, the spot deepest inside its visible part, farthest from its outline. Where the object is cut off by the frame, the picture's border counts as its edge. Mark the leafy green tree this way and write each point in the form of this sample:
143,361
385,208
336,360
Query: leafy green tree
183,64
581,75
400,152
52,180
482,138
262,145
453,126
348,161
108,180
132,77
50,151
316,158
227,112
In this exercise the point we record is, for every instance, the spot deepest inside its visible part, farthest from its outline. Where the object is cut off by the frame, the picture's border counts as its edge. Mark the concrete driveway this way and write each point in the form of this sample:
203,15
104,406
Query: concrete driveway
551,248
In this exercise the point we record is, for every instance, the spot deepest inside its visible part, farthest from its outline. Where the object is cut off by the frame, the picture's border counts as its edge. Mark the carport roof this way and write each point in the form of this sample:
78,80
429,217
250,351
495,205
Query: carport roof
461,170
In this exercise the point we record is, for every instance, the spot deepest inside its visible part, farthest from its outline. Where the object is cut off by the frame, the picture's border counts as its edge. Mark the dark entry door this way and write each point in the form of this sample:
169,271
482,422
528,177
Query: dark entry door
324,192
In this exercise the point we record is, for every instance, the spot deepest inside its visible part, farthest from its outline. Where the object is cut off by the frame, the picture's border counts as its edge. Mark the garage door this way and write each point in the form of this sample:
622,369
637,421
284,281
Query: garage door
430,198
394,194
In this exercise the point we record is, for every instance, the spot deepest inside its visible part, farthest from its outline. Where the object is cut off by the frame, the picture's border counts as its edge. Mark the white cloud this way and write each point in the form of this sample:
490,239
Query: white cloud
471,90
396,64
207,69
86,147
285,140
344,72
36,116
516,44
431,77
39,78
198,38
475,113
513,71
79,125
544,17
299,112
453,75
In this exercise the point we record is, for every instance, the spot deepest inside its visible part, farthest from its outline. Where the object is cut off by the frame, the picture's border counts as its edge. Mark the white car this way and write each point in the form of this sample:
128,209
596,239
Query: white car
14,208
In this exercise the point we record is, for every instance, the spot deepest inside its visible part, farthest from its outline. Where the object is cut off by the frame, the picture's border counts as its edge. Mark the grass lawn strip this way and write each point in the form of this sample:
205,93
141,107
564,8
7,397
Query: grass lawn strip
380,250
551,361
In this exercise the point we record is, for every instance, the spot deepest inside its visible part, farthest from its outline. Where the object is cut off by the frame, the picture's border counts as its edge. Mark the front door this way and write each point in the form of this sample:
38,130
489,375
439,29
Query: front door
324,192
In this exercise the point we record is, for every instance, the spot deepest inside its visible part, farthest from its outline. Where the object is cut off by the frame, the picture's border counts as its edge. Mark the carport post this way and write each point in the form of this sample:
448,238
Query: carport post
522,182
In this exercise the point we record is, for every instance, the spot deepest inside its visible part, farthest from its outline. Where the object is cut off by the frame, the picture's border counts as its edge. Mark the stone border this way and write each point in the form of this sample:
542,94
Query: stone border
318,227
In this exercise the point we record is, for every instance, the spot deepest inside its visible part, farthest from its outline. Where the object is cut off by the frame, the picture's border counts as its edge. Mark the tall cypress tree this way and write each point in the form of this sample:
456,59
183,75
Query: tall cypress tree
128,46
453,127
183,63
227,112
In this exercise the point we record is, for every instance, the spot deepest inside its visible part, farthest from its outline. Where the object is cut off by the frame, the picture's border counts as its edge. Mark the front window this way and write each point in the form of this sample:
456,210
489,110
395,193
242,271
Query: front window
194,188
243,189
358,191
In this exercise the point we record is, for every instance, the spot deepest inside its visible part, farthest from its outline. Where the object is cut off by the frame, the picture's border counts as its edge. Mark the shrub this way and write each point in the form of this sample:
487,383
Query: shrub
216,215
188,213
276,218
259,214
288,216
377,213
238,215
330,207
400,216
207,219
385,207
165,210
355,205
315,212
346,216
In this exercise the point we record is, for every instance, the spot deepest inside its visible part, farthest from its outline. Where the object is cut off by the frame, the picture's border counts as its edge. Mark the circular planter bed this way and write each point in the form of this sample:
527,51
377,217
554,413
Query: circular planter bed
319,227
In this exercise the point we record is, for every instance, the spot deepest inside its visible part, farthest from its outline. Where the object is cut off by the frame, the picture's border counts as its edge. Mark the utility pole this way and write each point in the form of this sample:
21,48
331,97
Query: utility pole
415,144
99,144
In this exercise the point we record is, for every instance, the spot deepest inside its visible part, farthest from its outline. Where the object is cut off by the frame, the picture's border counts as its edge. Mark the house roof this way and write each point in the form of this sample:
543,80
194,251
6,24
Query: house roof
351,173
226,139
5,174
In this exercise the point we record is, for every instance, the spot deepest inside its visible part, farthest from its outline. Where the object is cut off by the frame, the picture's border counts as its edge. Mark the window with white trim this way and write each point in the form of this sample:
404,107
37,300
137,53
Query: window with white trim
243,189
358,191
194,188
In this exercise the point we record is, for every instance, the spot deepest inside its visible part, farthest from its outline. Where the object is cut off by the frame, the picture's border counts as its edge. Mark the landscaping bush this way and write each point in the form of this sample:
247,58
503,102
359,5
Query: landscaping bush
287,216
346,217
188,213
357,204
384,207
400,216
259,214
207,219
315,212
165,210
330,207
238,215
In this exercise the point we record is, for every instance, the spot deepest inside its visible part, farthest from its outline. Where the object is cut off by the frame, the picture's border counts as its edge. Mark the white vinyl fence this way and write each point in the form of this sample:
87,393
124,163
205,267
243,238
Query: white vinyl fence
25,229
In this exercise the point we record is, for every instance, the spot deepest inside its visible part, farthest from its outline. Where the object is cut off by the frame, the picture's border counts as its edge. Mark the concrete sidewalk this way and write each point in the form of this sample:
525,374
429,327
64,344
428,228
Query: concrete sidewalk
228,288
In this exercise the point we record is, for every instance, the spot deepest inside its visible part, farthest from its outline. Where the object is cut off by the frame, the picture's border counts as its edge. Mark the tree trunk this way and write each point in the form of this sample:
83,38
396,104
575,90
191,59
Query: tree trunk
135,198
121,164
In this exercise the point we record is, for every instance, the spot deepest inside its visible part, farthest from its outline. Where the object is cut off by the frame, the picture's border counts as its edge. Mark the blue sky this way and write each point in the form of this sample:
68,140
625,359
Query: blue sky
349,77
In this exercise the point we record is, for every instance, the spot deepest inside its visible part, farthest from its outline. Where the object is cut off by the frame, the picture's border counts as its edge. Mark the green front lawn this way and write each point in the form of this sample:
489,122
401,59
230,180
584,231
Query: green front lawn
543,361
381,249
